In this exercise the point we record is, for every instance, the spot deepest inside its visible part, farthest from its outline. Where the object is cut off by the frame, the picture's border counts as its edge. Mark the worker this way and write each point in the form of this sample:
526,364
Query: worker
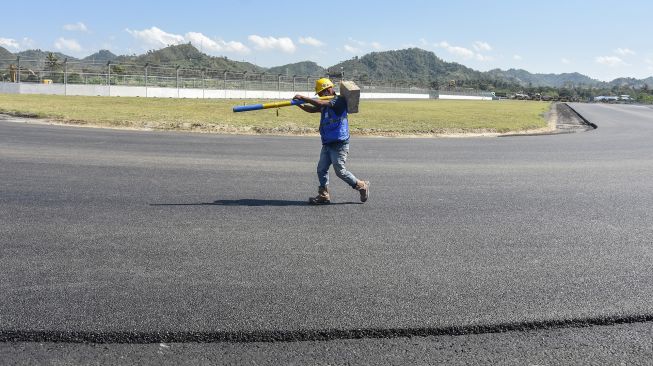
334,132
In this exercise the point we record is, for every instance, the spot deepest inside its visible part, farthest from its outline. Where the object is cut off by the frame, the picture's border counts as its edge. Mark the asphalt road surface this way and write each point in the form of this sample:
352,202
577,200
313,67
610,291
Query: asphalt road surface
131,246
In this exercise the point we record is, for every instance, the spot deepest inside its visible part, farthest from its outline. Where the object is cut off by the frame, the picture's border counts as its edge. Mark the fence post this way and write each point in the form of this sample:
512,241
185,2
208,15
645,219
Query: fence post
146,66
65,76
225,84
203,85
109,77
245,83
177,80
18,64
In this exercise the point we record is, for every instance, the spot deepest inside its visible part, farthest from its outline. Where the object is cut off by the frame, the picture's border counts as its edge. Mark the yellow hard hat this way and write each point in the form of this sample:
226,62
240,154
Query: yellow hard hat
322,84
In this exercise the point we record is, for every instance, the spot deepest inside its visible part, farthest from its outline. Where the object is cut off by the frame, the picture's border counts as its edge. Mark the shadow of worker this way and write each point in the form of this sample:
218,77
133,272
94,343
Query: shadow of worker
258,202
249,202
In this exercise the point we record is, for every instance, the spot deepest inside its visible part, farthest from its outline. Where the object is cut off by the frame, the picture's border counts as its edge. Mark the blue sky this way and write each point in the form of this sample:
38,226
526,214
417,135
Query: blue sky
602,39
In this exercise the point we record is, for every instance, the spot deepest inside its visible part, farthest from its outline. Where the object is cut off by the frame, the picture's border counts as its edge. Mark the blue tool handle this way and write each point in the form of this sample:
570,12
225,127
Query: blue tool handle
245,108
256,107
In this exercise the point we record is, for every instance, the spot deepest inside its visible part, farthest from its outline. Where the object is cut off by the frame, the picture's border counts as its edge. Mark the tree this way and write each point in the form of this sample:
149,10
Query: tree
117,69
51,61
53,65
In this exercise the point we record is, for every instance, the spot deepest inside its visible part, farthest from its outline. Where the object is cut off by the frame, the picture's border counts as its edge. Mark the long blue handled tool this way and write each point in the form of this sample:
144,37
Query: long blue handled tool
256,107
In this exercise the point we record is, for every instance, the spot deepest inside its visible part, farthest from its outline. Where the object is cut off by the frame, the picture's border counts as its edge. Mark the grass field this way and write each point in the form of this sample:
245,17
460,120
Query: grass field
212,115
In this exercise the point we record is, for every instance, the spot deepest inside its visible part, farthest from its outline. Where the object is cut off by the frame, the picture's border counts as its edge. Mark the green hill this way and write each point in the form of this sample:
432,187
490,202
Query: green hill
525,78
631,82
102,56
299,68
187,56
414,64
5,54
38,54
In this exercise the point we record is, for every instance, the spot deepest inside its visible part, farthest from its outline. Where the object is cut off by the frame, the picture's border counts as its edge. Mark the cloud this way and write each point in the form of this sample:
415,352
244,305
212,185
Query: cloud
76,27
624,51
9,42
283,44
458,51
611,61
159,38
218,45
517,57
64,44
357,42
565,61
483,58
27,43
357,47
204,42
352,49
469,53
156,37
482,46
310,41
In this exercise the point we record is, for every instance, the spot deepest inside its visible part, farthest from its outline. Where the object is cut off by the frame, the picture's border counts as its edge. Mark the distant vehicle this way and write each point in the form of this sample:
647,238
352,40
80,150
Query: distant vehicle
606,99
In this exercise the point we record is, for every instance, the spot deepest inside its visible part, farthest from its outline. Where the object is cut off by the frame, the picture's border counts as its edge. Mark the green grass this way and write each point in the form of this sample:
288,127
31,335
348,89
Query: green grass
376,117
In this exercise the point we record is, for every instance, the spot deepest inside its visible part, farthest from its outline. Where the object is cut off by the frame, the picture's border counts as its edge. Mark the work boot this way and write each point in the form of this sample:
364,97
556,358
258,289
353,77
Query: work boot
322,197
363,187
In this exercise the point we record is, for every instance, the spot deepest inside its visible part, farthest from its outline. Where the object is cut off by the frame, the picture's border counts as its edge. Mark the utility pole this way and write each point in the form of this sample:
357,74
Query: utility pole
65,76
245,82
177,79
109,77
225,84
147,65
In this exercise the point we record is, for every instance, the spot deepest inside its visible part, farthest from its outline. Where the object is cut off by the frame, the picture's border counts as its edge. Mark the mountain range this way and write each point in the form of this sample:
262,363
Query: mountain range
413,66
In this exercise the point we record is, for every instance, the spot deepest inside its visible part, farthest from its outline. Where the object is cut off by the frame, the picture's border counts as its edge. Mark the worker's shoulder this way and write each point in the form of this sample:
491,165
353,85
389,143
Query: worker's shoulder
339,98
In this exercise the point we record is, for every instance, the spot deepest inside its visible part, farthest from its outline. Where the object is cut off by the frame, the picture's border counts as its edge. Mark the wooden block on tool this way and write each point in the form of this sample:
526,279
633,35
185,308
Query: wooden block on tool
352,94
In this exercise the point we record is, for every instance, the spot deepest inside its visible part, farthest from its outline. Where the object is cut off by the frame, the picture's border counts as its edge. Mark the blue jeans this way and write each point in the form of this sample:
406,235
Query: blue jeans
336,154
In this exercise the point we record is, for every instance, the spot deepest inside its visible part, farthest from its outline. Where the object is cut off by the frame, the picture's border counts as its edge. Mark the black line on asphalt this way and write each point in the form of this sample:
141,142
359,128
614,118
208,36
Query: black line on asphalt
585,120
582,122
304,335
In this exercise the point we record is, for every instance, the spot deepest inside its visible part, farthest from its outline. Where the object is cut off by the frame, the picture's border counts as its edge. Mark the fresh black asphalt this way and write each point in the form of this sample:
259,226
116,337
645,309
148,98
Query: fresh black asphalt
133,236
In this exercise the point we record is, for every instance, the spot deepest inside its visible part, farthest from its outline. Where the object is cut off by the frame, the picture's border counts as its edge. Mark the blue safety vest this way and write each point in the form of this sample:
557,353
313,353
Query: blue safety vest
334,126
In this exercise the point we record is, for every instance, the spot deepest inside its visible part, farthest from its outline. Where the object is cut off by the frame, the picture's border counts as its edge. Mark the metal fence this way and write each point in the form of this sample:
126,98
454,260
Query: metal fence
149,75
41,71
